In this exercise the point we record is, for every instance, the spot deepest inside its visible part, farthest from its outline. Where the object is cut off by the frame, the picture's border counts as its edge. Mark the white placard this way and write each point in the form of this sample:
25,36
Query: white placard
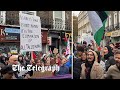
88,39
30,33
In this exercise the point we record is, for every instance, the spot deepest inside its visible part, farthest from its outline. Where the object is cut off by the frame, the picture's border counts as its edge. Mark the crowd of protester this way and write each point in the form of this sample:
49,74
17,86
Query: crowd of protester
90,62
6,65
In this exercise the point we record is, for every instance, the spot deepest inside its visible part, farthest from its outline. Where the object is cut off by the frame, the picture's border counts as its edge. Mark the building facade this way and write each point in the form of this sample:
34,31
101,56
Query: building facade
84,27
53,24
75,28
113,27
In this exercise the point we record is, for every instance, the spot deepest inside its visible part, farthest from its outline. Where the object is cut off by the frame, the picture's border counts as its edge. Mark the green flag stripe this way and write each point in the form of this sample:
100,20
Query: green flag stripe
99,34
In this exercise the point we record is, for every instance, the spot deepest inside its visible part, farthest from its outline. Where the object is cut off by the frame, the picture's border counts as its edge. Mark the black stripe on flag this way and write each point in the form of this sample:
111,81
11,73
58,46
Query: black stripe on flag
102,15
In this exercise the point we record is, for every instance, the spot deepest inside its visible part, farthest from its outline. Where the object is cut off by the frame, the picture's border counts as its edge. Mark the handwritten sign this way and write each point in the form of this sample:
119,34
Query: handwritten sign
30,33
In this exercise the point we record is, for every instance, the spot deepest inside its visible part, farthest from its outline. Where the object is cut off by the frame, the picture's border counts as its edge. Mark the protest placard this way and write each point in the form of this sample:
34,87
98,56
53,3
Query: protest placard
30,33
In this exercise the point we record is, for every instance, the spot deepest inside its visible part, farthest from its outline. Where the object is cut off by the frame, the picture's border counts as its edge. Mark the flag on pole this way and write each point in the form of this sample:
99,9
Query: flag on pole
68,47
97,20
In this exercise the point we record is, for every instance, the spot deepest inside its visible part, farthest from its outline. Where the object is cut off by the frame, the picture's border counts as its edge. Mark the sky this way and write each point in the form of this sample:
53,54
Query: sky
76,13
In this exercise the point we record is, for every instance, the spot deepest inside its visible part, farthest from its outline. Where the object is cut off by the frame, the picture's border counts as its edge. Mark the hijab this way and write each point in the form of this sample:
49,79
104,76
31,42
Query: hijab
110,53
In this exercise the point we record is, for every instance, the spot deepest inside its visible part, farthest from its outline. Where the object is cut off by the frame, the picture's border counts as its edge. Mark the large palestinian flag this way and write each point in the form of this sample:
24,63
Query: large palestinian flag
97,20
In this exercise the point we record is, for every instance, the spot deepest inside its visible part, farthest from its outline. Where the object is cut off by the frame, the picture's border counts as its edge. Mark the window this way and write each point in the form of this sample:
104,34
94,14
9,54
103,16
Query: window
58,14
2,17
115,19
29,12
119,16
110,20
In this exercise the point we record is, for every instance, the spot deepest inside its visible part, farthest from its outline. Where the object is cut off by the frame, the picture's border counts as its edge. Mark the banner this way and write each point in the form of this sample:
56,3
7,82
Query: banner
30,33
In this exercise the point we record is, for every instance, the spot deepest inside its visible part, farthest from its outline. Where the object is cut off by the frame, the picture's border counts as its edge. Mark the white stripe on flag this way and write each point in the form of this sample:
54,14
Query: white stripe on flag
95,21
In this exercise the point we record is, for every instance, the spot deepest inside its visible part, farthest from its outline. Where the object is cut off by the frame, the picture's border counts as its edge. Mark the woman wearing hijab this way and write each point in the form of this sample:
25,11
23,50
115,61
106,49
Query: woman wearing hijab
91,69
108,58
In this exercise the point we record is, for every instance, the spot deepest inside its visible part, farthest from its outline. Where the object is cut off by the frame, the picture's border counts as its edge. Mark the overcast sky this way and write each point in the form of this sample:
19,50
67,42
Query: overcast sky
76,13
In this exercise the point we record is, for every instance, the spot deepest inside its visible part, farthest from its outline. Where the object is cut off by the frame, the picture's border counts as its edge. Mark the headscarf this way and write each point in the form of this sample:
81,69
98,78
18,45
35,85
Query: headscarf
110,53
89,65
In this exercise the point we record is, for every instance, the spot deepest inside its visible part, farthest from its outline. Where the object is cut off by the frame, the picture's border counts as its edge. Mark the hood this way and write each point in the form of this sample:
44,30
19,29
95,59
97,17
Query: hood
95,54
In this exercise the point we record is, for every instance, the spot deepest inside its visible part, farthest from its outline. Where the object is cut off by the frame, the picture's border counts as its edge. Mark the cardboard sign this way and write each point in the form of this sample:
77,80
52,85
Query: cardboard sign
30,33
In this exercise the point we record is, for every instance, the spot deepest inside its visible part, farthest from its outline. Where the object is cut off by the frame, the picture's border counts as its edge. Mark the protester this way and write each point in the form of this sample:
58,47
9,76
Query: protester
13,60
58,59
40,55
47,62
63,69
7,72
114,70
107,57
63,53
41,60
85,45
27,60
77,62
9,54
112,46
2,61
91,69
80,50
21,60
69,62
84,57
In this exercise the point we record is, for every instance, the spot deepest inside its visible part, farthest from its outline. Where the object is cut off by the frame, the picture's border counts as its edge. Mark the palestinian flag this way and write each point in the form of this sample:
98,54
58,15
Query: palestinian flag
97,20
65,41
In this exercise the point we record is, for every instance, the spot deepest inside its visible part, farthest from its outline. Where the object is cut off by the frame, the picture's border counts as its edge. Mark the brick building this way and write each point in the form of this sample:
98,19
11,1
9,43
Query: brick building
53,23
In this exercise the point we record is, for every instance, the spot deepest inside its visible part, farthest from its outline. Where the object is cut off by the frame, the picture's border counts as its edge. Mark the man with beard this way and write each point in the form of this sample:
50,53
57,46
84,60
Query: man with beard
114,70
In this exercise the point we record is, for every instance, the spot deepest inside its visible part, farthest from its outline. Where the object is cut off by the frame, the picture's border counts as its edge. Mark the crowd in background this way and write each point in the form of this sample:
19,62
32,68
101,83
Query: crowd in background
62,60
92,62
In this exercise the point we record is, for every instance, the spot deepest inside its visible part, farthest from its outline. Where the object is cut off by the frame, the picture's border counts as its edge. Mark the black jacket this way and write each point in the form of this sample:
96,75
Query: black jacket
77,68
109,62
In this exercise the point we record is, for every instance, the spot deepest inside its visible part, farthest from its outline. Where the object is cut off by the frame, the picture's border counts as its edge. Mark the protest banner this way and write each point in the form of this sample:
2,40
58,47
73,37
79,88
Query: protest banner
30,33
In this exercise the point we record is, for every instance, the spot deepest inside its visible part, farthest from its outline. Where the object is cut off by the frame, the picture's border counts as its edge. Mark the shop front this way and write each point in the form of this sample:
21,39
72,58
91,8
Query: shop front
55,40
107,38
9,39
115,36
